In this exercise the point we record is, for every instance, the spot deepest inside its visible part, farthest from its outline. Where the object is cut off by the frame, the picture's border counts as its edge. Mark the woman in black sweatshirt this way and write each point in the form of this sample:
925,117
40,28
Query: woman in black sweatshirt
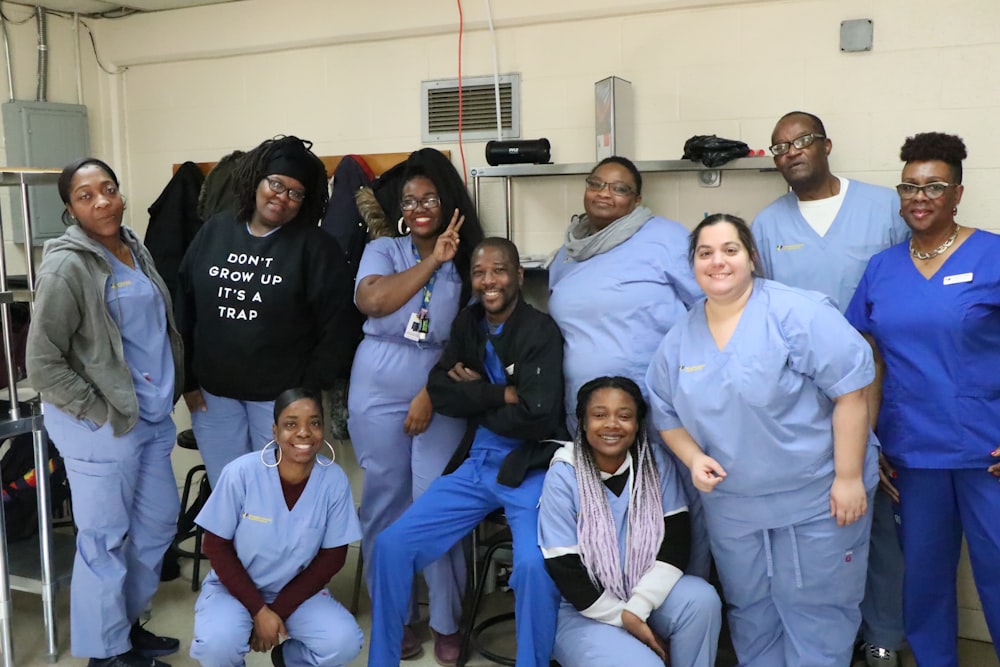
264,302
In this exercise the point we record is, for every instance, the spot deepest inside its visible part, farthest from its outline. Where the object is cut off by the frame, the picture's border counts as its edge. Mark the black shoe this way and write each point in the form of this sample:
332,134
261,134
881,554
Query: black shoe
278,655
130,659
148,645
171,568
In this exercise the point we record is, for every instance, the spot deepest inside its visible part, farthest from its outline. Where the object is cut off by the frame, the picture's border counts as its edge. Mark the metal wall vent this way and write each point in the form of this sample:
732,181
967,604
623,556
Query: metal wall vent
439,108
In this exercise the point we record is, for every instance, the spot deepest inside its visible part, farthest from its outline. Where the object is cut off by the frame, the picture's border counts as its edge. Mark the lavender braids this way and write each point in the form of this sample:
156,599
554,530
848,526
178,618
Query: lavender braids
598,538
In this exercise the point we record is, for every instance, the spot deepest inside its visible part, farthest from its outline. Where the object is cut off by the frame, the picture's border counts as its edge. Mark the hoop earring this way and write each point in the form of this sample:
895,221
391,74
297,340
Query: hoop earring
400,224
333,455
277,458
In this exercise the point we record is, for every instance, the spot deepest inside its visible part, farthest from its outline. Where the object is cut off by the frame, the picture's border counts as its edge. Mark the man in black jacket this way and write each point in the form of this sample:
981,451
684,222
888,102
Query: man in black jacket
502,370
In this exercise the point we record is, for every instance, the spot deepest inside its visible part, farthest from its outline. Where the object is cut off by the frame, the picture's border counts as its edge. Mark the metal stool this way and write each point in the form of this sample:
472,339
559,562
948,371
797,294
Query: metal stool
186,527
500,549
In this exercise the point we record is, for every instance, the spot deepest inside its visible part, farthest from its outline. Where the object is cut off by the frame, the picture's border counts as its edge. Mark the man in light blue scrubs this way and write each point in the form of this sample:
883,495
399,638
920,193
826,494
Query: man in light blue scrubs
820,236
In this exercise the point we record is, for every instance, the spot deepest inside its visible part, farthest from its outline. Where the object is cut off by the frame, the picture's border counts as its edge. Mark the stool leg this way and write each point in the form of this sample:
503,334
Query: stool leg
196,572
358,577
477,597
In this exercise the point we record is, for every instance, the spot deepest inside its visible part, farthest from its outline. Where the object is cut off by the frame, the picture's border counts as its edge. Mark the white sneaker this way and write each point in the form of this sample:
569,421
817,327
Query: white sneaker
876,656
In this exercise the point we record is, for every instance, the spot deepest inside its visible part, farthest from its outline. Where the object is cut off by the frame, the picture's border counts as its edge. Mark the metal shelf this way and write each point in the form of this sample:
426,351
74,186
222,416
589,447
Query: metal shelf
28,566
508,172
645,167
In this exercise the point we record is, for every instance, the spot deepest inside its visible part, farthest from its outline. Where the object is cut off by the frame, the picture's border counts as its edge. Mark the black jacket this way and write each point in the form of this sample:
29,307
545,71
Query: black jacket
531,350
173,223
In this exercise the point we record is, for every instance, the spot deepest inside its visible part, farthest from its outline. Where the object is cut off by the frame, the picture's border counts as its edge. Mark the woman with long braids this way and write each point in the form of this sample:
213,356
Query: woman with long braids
411,287
614,528
262,302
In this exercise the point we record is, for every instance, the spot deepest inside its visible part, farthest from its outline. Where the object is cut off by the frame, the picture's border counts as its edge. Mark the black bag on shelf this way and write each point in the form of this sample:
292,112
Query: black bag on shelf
714,151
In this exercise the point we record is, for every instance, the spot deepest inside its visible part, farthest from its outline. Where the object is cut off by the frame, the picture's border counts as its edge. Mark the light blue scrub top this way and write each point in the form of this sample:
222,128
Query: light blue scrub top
614,308
762,406
793,253
940,339
560,505
137,307
388,256
275,543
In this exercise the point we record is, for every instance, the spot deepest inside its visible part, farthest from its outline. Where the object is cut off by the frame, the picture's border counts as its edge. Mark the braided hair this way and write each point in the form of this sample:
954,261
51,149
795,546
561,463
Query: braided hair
252,168
598,538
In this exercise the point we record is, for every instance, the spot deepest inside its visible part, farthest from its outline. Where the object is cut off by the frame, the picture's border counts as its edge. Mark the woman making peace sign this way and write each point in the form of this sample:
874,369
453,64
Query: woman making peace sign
411,288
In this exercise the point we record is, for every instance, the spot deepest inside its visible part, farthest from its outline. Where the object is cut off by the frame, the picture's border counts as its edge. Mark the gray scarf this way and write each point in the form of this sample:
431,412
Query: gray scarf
582,242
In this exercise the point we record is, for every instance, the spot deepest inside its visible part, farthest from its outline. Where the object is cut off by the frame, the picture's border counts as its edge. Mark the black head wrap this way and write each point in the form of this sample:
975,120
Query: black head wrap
291,157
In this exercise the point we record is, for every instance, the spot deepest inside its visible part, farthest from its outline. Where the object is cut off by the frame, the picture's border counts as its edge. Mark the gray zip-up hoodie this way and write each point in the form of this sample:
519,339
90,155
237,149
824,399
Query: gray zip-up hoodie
75,355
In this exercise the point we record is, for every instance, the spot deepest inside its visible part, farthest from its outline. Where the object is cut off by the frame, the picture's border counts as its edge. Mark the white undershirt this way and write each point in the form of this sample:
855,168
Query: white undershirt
821,213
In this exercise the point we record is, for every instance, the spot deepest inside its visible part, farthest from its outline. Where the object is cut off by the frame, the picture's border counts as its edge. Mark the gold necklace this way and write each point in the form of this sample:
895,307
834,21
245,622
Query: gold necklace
938,250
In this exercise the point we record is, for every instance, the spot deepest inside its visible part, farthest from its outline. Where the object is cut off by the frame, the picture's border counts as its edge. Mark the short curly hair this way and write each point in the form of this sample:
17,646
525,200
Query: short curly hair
926,146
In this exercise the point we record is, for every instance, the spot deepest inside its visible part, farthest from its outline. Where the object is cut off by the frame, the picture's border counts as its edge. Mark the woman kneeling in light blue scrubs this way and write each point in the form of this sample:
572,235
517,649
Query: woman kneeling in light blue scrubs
614,528
277,529
761,392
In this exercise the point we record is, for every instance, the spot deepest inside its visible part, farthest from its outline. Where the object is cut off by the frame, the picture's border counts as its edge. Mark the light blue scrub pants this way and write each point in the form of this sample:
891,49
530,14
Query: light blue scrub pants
228,429
690,618
794,593
937,506
125,508
882,608
700,561
446,513
398,469
321,633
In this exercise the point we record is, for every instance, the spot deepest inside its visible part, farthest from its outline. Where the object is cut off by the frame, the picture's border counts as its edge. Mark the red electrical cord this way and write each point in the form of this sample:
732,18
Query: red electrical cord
461,148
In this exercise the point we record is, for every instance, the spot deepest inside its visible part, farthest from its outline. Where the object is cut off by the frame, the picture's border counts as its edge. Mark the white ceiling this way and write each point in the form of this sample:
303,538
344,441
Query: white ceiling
99,6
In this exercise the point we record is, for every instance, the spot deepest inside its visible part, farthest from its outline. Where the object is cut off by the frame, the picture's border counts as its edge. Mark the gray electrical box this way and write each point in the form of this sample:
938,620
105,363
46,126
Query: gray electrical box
43,134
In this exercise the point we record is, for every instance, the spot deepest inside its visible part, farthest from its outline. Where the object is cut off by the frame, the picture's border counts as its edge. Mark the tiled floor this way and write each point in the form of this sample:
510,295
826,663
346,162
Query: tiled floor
173,607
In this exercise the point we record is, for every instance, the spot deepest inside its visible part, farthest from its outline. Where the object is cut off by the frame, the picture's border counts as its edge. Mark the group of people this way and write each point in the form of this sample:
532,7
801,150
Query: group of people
688,398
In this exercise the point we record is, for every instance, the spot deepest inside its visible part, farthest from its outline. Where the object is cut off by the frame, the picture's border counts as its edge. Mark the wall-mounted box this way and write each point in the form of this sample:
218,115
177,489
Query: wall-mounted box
613,118
43,134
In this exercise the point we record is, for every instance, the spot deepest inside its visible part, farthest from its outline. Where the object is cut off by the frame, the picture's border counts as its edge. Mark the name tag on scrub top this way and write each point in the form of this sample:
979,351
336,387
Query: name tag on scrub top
958,278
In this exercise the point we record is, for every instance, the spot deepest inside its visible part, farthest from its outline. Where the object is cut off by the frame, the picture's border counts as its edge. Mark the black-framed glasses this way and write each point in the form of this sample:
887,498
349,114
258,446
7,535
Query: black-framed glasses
618,188
428,202
930,190
799,143
279,188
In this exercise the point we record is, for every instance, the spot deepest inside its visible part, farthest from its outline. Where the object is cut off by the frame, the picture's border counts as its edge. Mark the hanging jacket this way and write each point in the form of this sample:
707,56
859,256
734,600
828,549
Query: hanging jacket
173,222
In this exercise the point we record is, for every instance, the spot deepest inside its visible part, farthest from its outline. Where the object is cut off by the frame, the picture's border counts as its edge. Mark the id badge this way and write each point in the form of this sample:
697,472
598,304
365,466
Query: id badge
416,327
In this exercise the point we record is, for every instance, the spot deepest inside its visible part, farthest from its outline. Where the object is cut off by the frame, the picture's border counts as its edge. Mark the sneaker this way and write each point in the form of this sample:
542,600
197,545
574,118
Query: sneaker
411,647
876,656
130,659
148,645
278,655
447,648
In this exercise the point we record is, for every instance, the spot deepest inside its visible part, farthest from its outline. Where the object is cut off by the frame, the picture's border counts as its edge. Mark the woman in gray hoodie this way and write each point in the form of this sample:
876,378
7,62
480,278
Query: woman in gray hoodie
105,355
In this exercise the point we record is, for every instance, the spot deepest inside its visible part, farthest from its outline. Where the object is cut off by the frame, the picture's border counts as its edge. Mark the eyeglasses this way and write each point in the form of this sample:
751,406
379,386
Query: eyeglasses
799,143
931,190
428,203
618,189
279,188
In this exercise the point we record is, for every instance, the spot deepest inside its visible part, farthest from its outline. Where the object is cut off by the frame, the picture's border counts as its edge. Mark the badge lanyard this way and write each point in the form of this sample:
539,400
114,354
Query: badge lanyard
419,323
